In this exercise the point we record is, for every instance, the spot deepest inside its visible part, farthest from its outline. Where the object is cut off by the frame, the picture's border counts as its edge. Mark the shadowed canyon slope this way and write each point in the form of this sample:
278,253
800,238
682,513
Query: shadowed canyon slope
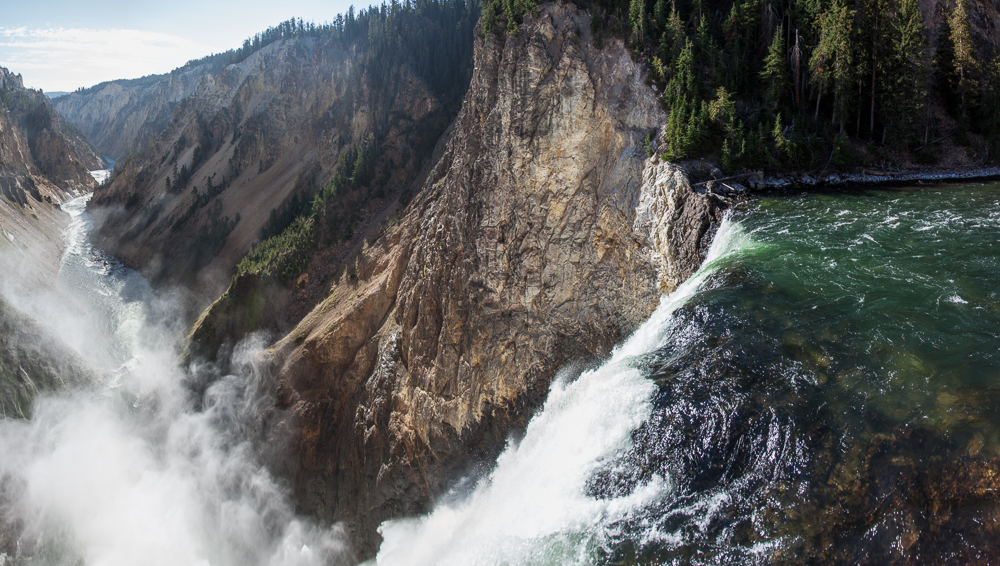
263,137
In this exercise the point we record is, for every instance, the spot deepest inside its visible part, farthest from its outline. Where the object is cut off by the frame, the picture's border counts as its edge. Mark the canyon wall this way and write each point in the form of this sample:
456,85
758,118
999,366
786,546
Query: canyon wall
543,229
542,237
44,161
38,145
118,116
270,129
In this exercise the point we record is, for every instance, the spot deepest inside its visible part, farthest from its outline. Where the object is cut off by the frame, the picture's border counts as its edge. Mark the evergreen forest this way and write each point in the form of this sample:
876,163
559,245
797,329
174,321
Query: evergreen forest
432,37
800,84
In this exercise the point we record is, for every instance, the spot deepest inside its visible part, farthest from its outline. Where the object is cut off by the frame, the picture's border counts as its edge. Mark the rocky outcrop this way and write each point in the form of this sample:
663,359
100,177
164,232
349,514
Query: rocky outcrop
31,362
675,221
984,19
36,142
119,116
542,236
43,162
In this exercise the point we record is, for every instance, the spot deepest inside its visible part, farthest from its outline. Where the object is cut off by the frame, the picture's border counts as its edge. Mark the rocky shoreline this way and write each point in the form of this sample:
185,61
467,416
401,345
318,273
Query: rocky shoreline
758,181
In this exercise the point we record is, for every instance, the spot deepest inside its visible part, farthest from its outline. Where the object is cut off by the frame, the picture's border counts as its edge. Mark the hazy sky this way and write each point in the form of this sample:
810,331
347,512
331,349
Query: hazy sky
64,44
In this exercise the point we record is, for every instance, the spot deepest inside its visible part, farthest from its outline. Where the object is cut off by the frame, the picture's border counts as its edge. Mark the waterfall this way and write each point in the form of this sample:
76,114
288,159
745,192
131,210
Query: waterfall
533,508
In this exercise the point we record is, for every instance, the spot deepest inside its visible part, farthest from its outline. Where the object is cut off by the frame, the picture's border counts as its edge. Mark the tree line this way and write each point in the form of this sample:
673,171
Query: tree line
433,37
785,83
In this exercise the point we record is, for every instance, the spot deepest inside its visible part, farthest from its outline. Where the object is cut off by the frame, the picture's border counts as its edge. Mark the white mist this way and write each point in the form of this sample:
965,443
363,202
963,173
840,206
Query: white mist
126,471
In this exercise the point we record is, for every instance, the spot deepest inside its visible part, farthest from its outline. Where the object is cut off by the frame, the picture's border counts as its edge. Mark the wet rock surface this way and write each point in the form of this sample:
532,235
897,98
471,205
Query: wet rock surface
911,497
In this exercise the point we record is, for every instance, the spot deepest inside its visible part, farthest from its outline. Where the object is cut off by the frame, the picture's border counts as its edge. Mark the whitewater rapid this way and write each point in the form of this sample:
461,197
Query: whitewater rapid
534,507
127,471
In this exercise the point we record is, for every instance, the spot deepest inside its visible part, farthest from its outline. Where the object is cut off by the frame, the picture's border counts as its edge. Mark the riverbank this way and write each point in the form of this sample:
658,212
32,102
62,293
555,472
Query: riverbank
744,184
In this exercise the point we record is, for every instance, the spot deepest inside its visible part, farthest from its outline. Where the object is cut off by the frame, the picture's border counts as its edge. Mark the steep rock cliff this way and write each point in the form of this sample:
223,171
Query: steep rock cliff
524,251
43,162
36,143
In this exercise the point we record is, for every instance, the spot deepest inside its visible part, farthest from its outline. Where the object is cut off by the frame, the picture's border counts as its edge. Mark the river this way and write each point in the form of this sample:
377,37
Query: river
823,389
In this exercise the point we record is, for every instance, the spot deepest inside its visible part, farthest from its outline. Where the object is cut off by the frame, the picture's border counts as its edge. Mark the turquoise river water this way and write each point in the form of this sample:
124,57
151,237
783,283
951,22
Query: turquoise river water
831,391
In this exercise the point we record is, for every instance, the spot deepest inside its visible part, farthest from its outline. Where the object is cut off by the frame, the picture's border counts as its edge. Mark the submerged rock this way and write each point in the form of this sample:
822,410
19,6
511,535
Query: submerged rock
901,499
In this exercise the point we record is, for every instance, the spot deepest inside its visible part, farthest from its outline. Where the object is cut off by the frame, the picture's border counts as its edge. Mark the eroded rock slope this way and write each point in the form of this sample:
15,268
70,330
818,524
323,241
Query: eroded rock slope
259,137
118,116
44,161
37,145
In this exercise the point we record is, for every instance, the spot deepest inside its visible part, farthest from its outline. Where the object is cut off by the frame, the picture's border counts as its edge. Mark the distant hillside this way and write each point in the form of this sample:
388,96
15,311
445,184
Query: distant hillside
345,113
119,116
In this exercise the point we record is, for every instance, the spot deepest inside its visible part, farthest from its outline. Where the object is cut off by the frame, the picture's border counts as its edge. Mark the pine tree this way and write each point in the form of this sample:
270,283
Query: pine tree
685,126
874,40
784,148
740,29
906,78
960,36
774,75
661,13
833,59
637,19
673,40
989,108
706,48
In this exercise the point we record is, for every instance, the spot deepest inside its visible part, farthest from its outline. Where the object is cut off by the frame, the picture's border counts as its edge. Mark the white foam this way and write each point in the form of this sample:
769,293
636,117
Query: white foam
100,175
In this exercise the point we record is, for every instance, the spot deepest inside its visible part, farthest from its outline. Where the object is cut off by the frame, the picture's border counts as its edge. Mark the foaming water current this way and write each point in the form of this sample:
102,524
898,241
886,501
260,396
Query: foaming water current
823,390
126,471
